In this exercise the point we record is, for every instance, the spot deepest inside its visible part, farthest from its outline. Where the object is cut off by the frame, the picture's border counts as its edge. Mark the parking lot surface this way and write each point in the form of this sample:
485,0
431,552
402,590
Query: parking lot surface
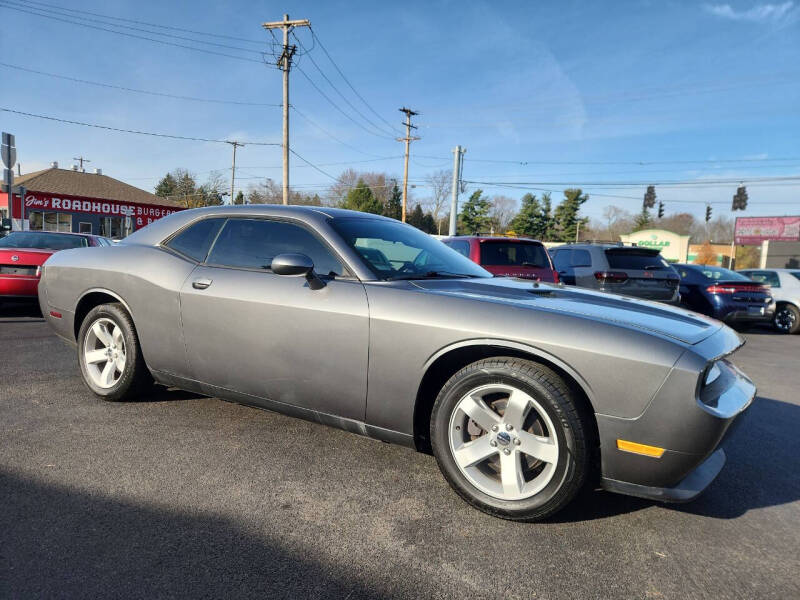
187,496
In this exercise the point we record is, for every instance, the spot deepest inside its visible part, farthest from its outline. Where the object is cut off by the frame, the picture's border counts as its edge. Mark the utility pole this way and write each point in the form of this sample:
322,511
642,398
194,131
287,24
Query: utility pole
458,152
285,64
81,160
408,139
233,166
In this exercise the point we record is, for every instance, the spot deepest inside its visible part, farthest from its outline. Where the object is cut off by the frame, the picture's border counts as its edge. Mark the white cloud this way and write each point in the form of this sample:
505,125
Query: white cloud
760,13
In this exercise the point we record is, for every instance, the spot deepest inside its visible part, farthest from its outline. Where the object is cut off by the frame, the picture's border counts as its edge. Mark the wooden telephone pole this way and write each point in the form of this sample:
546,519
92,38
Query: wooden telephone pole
408,139
285,64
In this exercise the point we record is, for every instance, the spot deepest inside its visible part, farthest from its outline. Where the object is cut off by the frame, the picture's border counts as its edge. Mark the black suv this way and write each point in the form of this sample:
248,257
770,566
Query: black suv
618,269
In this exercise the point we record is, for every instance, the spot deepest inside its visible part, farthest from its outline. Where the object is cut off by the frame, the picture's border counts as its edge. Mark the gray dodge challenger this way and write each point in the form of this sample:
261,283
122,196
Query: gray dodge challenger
524,392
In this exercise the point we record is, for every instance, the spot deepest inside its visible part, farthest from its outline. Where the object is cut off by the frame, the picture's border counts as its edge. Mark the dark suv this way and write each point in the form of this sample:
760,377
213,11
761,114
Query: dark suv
506,256
618,269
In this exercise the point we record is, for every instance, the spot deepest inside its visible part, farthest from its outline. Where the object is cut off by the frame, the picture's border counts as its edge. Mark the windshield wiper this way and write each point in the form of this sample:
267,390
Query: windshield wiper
530,264
431,275
653,267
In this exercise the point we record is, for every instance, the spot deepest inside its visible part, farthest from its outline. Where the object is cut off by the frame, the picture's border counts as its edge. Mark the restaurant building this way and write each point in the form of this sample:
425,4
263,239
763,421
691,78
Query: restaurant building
75,201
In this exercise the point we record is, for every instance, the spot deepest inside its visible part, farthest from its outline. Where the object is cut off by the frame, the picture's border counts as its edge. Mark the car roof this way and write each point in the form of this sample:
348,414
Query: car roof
491,238
779,270
158,230
32,232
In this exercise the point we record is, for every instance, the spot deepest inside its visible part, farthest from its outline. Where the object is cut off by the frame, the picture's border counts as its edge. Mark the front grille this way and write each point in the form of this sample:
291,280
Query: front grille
17,270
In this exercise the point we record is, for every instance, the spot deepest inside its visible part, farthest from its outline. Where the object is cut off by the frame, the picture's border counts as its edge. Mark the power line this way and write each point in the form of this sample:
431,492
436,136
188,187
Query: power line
535,162
135,90
137,132
336,106
65,13
131,35
313,166
689,183
347,81
330,135
342,96
86,12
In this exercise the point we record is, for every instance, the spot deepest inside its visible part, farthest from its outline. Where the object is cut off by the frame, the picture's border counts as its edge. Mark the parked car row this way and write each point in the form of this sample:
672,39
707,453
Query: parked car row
739,299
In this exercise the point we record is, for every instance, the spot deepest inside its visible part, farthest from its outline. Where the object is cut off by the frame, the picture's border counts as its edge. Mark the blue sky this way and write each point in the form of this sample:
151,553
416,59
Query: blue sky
566,92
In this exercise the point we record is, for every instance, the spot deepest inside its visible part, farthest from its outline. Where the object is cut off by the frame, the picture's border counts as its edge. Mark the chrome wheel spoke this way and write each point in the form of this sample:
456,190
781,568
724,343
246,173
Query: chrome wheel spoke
107,376
477,410
101,333
474,452
517,409
96,356
540,448
511,475
116,337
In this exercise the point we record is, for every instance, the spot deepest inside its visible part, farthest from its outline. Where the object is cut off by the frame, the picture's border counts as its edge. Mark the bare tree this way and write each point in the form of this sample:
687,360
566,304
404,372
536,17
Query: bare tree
379,183
502,212
440,183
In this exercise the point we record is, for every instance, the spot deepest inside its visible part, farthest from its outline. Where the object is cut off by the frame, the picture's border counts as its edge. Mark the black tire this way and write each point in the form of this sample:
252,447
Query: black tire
787,318
135,379
571,424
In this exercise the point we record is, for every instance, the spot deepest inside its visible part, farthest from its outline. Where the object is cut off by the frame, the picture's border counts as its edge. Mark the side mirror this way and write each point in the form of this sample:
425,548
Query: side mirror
296,265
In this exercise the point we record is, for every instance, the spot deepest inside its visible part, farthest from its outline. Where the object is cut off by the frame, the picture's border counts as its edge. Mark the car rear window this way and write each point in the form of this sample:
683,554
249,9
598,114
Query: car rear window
524,254
635,259
45,241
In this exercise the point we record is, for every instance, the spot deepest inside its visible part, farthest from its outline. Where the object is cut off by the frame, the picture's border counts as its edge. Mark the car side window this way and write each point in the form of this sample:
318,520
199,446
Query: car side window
195,240
769,277
459,246
561,259
581,258
253,243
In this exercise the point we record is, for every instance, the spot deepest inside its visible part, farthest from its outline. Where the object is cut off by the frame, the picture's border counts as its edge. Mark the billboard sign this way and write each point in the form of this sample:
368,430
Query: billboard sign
754,230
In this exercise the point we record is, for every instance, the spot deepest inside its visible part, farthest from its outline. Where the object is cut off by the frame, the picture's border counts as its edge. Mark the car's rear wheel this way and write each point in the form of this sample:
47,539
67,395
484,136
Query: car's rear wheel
110,356
787,319
510,438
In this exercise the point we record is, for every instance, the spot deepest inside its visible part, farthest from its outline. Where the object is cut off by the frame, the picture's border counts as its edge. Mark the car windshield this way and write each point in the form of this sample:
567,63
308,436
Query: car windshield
718,273
522,254
48,241
394,250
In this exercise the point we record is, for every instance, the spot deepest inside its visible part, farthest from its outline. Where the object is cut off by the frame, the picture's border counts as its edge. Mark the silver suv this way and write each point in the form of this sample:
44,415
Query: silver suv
618,269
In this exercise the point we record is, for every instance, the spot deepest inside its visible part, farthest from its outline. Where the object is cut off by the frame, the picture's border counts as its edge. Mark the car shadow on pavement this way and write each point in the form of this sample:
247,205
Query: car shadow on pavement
62,542
761,471
17,312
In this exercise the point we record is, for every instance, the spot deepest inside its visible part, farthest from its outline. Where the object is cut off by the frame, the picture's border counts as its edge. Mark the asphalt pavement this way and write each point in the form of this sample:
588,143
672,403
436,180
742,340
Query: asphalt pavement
185,496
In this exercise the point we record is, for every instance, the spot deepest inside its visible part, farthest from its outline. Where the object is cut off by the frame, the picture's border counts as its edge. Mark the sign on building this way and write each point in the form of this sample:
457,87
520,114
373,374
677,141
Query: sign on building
673,247
754,230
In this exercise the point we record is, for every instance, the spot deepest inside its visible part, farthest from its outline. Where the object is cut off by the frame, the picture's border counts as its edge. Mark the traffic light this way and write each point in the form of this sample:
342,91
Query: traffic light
708,214
740,199
650,197
660,210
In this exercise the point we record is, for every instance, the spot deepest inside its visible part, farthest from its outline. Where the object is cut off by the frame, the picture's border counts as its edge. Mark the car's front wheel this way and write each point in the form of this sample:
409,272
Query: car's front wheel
510,438
110,356
787,319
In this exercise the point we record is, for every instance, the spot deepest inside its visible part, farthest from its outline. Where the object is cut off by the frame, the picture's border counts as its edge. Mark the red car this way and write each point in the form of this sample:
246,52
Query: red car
506,256
22,254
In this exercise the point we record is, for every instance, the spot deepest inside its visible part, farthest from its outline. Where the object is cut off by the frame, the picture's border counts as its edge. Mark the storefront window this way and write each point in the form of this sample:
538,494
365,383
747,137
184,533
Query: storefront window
112,227
49,221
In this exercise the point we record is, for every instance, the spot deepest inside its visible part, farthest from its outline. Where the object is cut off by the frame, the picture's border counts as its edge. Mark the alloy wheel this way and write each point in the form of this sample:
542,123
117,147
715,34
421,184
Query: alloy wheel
784,319
503,442
104,353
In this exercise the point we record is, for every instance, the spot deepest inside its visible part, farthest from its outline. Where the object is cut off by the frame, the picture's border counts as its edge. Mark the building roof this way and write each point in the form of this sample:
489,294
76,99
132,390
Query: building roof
87,185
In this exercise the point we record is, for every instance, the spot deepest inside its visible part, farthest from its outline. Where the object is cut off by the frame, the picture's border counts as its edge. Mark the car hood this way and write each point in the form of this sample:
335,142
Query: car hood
660,319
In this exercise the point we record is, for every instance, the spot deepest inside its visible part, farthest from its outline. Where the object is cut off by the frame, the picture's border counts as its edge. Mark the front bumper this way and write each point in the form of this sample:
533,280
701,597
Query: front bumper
688,427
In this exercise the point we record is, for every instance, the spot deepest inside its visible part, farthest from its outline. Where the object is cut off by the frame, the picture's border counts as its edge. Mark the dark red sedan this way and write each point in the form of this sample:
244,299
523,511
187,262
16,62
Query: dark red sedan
506,256
22,254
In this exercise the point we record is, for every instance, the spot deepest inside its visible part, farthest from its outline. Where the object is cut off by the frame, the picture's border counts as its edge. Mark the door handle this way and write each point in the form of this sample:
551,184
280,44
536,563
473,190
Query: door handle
201,284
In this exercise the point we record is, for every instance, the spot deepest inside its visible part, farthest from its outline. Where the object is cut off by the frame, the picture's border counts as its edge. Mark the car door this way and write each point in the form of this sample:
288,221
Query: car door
271,336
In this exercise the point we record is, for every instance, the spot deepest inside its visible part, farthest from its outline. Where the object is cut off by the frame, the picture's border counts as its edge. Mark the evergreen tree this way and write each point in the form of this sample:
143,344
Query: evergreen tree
643,220
566,217
239,198
530,220
548,226
416,217
166,187
428,223
394,206
475,213
362,199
